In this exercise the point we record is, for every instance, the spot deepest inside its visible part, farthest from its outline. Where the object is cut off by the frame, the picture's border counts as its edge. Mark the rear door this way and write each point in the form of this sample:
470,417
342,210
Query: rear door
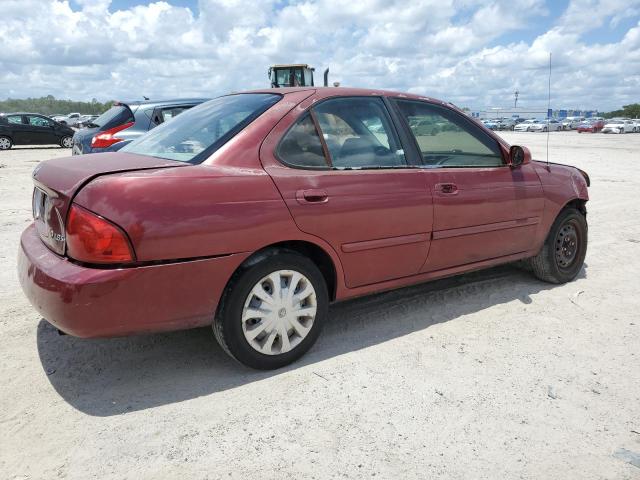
342,171
483,209
18,128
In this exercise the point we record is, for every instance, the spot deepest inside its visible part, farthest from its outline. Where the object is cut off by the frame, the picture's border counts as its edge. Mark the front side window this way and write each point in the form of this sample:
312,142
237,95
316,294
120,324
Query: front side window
359,133
38,121
197,133
15,119
445,139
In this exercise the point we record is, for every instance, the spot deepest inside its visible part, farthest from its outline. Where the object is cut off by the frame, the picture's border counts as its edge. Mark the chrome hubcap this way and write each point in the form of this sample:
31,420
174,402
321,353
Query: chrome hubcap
4,143
279,312
67,142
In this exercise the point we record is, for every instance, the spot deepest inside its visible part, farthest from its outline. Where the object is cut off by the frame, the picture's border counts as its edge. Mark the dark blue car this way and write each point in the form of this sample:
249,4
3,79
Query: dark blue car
126,121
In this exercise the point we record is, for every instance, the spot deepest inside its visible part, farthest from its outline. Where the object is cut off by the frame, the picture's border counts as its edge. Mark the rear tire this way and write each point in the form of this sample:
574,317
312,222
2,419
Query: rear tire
66,142
564,249
5,143
279,341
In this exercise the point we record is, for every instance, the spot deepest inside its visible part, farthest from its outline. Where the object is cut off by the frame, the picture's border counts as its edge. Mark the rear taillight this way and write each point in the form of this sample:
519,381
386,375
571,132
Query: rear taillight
107,138
92,239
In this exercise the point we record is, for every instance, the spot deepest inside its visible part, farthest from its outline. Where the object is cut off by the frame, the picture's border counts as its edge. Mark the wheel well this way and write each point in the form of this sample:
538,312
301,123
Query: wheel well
578,204
316,254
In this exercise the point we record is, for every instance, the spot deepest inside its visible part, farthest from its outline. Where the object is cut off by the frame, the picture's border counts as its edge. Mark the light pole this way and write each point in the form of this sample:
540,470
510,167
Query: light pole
515,99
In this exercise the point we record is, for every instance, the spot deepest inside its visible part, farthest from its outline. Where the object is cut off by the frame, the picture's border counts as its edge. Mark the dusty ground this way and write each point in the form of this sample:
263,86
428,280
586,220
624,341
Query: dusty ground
493,375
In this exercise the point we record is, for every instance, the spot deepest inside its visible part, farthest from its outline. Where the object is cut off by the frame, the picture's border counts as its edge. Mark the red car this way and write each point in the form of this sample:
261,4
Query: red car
592,126
253,211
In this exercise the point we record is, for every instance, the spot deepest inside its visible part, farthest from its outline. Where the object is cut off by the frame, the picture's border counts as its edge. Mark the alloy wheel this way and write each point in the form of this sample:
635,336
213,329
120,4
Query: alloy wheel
5,143
279,312
67,142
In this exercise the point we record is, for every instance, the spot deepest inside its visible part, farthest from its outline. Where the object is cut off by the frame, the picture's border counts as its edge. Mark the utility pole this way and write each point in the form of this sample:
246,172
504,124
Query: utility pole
515,99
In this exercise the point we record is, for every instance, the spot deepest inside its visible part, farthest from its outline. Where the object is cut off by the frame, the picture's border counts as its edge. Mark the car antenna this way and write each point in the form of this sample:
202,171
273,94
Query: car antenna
549,112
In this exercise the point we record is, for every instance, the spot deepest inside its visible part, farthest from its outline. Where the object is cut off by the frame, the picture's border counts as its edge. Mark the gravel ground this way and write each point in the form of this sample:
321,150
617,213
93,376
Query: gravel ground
491,375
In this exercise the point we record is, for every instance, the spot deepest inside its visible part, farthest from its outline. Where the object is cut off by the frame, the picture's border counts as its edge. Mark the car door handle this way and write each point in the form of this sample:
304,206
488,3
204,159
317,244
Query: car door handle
447,188
312,196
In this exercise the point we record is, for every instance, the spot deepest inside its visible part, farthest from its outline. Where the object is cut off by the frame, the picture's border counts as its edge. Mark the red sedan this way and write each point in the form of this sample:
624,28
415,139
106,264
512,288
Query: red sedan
253,211
592,126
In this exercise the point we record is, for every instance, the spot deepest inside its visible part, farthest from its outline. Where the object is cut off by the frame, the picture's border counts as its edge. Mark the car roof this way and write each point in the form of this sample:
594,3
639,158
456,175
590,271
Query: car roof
23,113
155,103
346,92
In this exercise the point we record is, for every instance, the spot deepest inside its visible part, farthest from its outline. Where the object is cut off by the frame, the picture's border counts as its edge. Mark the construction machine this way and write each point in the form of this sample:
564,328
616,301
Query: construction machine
294,75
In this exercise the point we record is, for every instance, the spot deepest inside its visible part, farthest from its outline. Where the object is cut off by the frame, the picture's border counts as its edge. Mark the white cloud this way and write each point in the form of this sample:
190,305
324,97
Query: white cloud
451,49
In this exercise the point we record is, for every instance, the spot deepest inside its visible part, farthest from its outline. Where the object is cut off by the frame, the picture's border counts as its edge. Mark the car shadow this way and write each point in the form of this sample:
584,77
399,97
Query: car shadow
104,377
53,146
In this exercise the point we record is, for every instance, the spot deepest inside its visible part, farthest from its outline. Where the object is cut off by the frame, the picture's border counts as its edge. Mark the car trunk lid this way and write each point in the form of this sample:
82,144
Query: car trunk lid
57,181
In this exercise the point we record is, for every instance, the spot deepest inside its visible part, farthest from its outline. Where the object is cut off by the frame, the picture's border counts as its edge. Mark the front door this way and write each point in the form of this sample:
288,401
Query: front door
41,131
343,174
483,208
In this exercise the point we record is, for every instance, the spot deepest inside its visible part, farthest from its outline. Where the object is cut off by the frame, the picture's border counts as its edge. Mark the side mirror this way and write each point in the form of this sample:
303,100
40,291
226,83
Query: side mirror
519,156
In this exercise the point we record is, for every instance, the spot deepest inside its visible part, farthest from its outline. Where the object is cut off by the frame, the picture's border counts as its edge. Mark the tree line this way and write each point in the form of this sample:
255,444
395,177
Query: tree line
630,111
50,105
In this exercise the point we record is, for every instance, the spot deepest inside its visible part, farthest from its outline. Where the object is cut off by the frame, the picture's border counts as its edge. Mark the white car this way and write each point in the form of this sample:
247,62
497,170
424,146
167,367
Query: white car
544,125
619,126
526,126
571,123
70,119
636,124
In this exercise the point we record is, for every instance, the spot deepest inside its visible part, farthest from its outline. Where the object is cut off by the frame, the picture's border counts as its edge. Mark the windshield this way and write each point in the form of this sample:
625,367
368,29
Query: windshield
197,133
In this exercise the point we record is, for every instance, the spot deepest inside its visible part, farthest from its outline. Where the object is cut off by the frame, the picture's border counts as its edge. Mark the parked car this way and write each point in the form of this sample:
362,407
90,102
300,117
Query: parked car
636,125
551,125
592,126
32,129
506,123
618,126
253,211
527,125
70,118
571,123
84,120
492,124
125,121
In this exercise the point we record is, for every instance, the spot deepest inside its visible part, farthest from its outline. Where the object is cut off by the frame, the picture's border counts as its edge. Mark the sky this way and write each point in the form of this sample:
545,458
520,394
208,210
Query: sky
474,53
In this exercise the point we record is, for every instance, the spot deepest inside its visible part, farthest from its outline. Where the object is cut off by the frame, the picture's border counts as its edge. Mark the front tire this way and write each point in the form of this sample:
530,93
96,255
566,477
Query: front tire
563,252
5,143
66,142
272,311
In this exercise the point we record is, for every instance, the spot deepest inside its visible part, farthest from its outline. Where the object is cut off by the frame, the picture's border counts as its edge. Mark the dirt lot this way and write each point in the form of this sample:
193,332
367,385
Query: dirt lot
491,375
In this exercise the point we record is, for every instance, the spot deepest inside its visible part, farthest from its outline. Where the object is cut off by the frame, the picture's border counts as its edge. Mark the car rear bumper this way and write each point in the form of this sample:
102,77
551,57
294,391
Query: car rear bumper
93,302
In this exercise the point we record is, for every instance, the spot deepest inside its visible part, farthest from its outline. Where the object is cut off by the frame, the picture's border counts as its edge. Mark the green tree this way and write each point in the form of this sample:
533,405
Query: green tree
631,111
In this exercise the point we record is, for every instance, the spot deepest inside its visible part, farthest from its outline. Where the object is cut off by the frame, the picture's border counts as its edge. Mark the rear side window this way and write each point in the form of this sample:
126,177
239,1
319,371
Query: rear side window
301,146
446,139
116,115
165,114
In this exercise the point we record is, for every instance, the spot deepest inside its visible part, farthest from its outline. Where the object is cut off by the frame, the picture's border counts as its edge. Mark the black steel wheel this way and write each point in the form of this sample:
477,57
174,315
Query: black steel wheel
562,255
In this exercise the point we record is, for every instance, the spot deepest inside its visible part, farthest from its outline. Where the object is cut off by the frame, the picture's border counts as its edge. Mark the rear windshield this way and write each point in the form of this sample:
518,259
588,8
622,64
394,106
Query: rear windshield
116,115
197,133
